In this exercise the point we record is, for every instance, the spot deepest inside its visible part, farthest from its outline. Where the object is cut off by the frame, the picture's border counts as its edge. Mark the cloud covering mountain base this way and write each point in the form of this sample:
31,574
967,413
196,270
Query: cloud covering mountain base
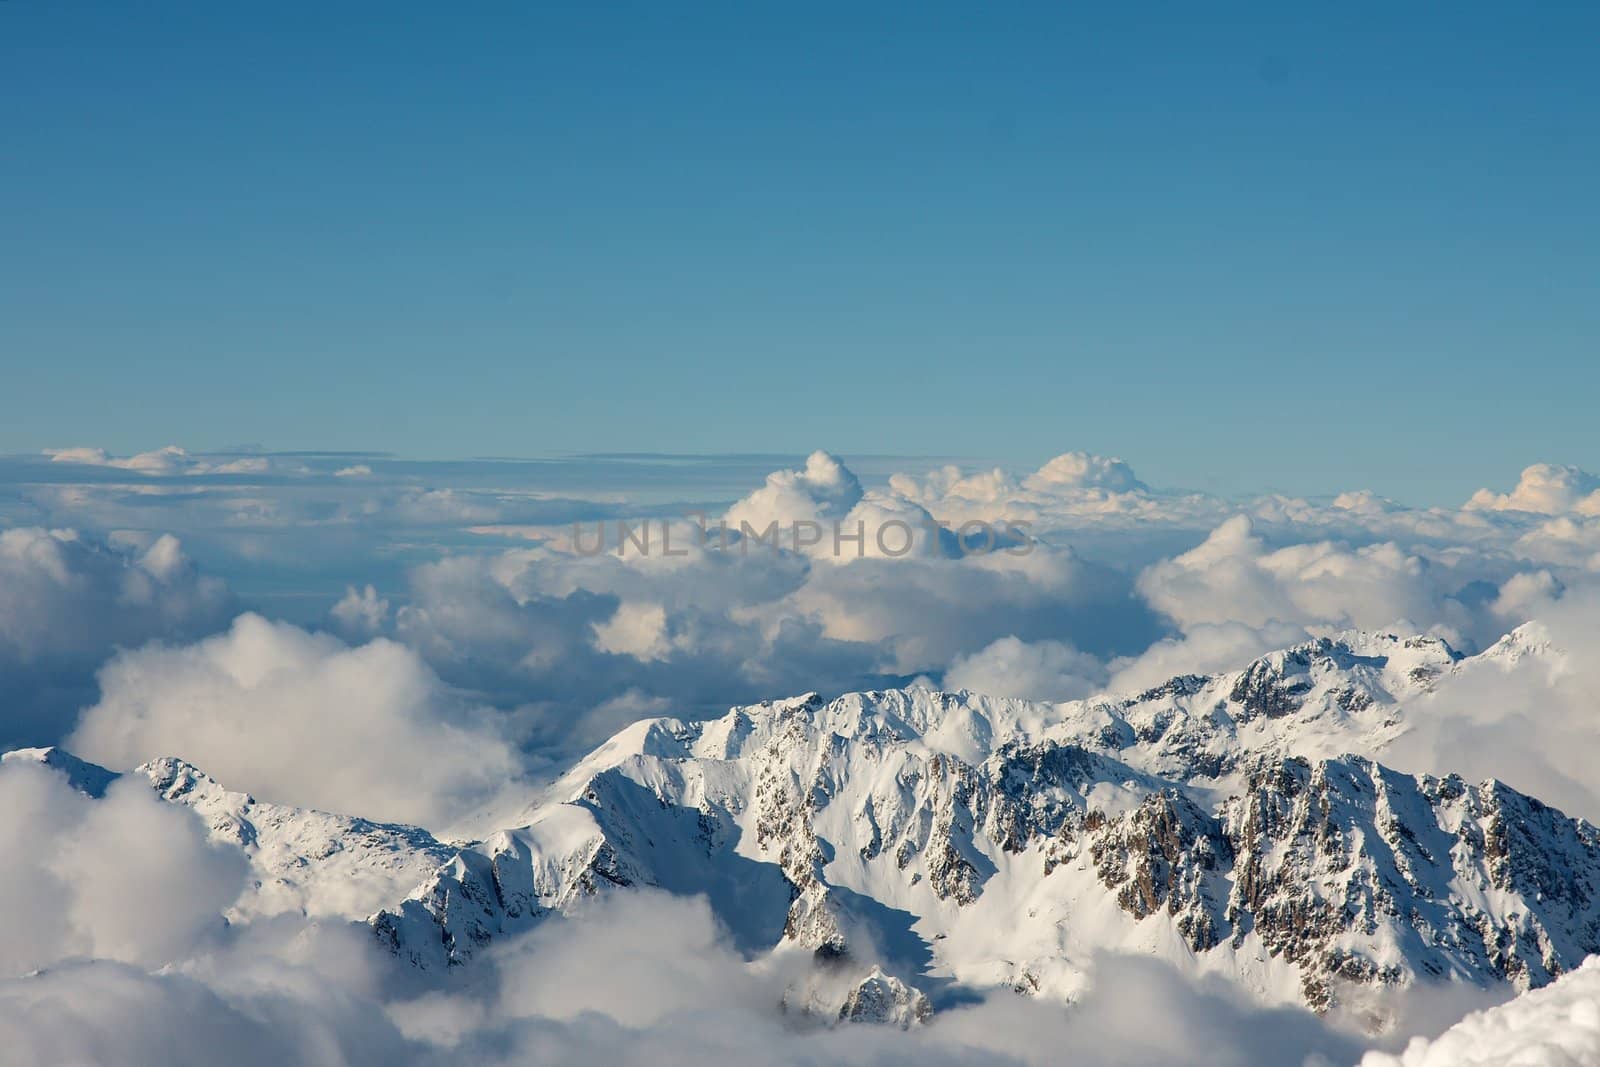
451,652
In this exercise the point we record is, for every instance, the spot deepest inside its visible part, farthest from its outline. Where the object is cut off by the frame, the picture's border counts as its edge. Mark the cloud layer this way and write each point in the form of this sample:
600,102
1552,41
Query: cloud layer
421,642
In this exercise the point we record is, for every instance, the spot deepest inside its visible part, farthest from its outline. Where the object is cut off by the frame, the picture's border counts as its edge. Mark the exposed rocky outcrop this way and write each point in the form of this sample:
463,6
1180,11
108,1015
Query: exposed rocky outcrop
923,839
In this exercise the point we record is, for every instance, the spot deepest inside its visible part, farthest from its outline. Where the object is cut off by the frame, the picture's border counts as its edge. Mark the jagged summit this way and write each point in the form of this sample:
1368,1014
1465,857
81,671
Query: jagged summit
1219,821
921,842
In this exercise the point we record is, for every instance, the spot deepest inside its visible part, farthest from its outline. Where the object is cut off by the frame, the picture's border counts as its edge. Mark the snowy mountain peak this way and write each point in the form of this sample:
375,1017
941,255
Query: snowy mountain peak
87,778
305,861
949,837
1530,641
916,842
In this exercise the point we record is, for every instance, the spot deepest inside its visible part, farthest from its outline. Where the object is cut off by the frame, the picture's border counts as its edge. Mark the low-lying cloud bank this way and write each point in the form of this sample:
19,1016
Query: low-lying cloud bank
486,650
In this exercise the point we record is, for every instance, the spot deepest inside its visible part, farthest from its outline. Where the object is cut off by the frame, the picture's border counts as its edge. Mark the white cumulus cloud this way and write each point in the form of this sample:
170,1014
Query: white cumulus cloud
1081,470
1040,670
122,878
1234,577
302,718
68,600
1558,1026
1545,489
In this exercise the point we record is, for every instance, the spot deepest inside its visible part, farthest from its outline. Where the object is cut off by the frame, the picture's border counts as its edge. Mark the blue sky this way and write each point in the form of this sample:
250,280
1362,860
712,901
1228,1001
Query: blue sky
1240,246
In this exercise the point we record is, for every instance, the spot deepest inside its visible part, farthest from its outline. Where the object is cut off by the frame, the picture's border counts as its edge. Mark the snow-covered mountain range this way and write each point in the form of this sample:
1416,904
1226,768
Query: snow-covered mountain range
925,844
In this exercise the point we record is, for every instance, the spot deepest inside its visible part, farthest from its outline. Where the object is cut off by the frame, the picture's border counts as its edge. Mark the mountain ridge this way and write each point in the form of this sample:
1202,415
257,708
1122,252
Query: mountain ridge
920,843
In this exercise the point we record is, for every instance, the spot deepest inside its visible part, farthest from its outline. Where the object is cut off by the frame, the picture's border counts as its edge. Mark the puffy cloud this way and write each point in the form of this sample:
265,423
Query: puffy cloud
1090,502
1545,489
1558,1026
1364,502
822,512
1080,470
1233,577
923,613
362,613
67,600
98,1012
143,882
1042,670
652,979
64,595
636,959
123,878
577,636
1570,541
951,483
566,643
647,978
293,529
117,951
1524,711
282,991
642,979
637,630
1524,594
824,489
575,641
1074,492
303,718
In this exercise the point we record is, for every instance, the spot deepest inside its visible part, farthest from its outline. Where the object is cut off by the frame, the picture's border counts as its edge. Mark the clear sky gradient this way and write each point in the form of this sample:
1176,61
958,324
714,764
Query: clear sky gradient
1243,247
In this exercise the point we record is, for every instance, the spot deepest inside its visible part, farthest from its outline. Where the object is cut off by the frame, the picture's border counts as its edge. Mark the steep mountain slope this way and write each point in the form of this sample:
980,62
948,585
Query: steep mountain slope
959,840
922,844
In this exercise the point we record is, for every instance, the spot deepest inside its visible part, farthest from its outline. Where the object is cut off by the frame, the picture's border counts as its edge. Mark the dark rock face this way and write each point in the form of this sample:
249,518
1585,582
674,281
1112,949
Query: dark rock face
1277,685
883,999
1167,855
783,828
1343,851
1341,868
1273,689
1350,871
